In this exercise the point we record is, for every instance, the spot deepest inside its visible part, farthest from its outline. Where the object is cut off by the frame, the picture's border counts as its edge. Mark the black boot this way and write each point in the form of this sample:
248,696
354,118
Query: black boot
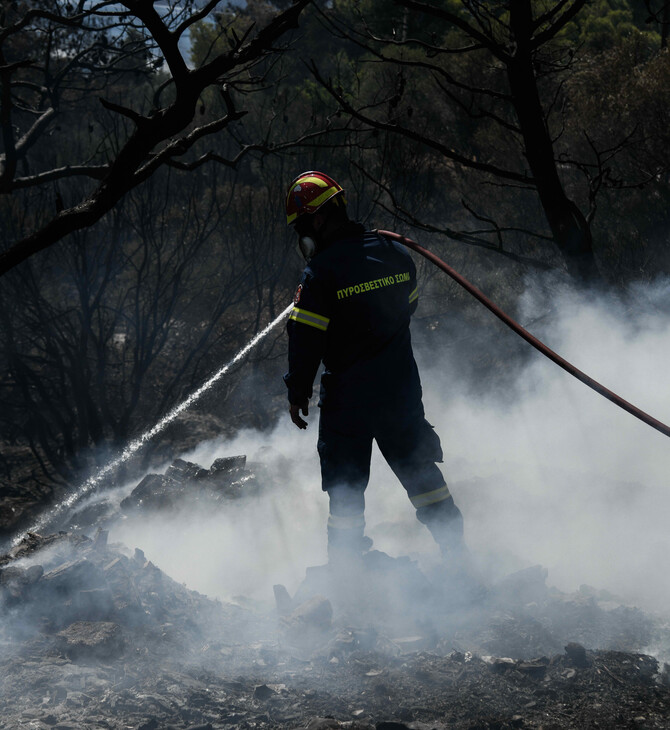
459,576
445,522
346,547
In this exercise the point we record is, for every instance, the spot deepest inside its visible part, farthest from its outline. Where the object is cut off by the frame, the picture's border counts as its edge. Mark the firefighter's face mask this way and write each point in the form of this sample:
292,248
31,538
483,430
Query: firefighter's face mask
307,247
305,230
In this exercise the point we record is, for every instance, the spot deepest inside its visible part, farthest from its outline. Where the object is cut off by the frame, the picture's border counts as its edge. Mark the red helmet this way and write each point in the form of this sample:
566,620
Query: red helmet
308,192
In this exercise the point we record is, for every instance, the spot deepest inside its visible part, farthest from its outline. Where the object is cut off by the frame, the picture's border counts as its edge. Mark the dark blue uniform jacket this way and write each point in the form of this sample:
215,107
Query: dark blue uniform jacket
352,311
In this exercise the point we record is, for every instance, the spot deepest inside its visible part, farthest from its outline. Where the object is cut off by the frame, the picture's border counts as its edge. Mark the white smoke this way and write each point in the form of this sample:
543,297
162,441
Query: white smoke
560,476
246,547
555,475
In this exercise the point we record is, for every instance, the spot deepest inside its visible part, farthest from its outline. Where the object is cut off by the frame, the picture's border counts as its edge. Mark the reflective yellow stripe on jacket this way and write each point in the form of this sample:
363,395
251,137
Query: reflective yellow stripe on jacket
414,295
310,318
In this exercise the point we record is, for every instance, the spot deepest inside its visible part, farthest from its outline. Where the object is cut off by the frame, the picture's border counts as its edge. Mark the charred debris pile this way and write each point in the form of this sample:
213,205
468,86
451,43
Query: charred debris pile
183,483
95,635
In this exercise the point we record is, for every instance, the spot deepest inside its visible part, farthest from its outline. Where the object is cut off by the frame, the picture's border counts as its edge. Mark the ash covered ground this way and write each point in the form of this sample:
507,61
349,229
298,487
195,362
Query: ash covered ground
95,635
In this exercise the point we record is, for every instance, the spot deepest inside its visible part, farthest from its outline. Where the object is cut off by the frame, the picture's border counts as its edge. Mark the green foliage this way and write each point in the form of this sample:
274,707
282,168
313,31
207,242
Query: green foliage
603,24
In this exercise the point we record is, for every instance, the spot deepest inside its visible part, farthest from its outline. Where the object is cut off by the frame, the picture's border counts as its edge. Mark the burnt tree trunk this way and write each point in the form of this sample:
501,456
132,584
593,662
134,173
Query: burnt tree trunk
568,225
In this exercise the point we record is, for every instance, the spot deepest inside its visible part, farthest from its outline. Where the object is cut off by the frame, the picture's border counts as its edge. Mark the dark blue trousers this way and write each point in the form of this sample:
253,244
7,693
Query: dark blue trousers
410,446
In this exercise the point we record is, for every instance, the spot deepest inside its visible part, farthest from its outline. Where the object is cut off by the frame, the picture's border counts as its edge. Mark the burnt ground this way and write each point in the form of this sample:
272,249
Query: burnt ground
94,635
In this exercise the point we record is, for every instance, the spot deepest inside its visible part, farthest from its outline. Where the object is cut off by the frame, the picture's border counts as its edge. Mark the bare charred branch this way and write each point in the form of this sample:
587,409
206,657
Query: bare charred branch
260,45
558,24
75,21
202,13
354,36
167,41
138,119
9,67
182,145
486,41
470,238
552,12
416,136
70,21
265,148
479,113
352,33
156,101
96,172
494,226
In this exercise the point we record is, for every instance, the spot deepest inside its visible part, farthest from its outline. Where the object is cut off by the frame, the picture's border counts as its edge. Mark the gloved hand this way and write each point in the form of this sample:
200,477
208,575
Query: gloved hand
295,409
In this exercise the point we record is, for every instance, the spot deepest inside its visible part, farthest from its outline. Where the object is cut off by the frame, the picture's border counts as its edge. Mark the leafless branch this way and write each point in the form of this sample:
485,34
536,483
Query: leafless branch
183,144
439,12
559,23
347,32
547,16
480,113
599,174
439,70
265,148
123,110
96,172
494,226
204,11
167,41
467,237
9,67
31,135
414,135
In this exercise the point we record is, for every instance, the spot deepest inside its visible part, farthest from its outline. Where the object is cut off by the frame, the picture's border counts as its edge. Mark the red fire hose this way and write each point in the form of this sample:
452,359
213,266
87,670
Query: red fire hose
569,367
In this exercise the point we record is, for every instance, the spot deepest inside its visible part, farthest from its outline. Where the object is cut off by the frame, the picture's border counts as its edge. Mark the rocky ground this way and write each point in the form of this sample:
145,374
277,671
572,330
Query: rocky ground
94,635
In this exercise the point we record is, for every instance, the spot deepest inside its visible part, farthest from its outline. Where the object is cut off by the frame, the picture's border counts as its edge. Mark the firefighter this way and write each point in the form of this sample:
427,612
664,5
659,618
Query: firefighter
352,313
